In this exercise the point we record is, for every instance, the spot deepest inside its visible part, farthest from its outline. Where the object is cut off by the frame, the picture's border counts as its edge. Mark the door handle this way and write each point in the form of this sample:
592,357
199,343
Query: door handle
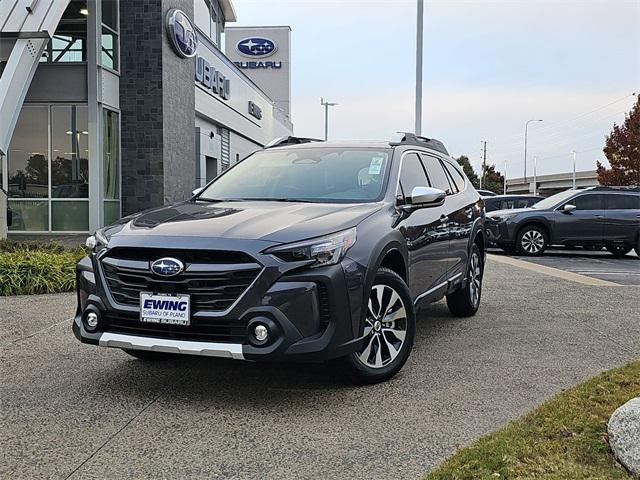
598,216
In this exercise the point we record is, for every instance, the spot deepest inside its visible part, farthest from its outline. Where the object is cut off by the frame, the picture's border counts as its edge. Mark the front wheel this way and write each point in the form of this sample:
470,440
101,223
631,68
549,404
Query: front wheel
618,250
532,241
389,331
465,302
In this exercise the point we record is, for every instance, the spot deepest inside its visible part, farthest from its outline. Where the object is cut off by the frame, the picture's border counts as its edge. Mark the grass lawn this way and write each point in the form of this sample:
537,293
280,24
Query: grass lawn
564,438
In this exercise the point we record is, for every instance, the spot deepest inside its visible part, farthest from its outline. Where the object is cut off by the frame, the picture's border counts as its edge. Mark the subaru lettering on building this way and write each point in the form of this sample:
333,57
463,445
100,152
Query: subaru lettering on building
257,47
212,79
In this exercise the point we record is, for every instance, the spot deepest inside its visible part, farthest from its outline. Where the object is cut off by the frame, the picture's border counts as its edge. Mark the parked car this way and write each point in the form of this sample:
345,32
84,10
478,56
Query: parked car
486,193
593,217
305,250
509,202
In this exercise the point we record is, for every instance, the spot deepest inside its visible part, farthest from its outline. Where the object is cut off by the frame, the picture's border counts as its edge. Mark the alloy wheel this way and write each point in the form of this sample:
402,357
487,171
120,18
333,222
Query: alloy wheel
532,241
475,277
385,327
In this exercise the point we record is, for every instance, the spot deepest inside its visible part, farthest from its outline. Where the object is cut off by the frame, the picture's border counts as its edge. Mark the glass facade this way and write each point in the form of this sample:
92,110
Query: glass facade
207,16
47,166
69,43
109,36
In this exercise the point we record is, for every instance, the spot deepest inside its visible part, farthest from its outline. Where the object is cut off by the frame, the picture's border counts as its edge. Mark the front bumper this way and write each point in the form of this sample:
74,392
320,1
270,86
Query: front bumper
500,232
312,315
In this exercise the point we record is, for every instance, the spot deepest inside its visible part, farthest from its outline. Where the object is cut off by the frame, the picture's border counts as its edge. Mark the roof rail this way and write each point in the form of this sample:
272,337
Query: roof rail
625,188
407,138
280,141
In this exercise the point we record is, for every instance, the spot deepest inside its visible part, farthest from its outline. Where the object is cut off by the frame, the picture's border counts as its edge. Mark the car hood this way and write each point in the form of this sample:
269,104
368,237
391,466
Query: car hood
276,222
499,213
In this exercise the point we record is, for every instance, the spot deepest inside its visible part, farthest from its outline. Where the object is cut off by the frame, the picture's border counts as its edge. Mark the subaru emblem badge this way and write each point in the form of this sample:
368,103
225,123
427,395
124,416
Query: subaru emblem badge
167,267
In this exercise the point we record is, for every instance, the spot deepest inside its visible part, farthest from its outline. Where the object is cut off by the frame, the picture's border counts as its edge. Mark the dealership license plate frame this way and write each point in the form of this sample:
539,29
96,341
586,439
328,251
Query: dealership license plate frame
163,318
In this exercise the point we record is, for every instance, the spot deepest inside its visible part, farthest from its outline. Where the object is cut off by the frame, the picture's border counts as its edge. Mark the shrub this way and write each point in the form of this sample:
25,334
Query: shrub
32,269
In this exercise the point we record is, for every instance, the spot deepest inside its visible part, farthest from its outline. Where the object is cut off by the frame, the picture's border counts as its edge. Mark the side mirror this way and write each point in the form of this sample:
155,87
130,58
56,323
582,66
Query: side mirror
197,191
568,208
426,197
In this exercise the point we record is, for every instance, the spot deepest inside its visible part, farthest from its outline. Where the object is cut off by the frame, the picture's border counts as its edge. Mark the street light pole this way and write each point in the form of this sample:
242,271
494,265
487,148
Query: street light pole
526,128
419,40
535,171
505,177
326,106
574,153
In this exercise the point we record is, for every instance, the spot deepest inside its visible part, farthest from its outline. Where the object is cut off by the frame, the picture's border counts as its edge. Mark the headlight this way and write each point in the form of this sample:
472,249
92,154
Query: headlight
97,241
503,217
327,250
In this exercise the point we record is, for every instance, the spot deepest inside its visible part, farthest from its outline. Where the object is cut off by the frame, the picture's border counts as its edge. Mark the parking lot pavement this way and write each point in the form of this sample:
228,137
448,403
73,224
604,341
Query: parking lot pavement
75,411
601,265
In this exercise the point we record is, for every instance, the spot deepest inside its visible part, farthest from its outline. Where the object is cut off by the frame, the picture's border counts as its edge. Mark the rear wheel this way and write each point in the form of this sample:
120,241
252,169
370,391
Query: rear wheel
389,331
466,301
149,356
532,240
619,250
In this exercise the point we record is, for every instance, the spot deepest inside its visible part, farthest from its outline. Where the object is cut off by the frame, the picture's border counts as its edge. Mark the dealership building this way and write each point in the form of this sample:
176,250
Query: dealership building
111,107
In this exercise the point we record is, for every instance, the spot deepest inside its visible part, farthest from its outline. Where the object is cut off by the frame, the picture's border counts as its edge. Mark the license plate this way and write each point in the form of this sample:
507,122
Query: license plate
165,309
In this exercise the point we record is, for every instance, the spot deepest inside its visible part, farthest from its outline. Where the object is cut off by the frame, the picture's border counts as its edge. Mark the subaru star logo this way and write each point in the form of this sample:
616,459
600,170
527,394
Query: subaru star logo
182,33
257,47
167,267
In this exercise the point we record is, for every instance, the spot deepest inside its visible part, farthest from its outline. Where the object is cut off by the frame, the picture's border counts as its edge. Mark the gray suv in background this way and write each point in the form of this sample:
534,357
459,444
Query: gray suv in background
593,217
306,250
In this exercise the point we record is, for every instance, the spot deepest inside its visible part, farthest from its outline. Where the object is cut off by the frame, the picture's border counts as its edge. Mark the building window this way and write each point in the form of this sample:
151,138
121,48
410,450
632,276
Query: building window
69,42
111,166
48,169
208,18
109,38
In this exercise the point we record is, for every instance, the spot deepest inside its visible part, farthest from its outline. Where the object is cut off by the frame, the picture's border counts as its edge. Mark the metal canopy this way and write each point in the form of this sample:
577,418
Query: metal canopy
32,23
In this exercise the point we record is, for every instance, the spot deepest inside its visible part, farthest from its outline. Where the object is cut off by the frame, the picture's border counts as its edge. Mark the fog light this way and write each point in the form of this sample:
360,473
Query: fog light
260,333
92,320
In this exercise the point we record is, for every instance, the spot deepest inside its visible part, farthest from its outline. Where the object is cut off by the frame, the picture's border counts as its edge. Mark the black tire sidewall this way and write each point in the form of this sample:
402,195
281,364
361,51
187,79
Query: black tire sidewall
526,229
372,375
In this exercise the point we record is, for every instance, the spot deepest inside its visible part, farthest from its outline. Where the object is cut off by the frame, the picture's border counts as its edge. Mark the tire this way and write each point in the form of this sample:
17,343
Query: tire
465,302
149,356
618,250
532,241
388,337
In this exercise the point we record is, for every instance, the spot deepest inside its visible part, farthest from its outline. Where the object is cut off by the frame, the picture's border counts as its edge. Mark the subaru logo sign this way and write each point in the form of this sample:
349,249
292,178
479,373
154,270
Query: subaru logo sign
167,267
256,47
182,34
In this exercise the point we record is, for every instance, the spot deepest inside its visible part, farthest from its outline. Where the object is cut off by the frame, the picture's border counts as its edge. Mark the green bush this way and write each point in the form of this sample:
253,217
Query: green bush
32,269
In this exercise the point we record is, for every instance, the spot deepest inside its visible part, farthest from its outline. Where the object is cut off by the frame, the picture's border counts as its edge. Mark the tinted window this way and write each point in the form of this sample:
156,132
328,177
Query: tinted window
455,175
412,174
436,174
491,204
622,202
587,202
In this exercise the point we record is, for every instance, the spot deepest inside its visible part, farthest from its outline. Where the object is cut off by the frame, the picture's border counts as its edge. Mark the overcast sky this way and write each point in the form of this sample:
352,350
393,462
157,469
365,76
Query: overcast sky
488,67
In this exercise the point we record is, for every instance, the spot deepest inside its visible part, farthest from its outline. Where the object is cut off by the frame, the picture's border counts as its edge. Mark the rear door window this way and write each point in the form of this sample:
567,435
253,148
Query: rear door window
455,175
622,202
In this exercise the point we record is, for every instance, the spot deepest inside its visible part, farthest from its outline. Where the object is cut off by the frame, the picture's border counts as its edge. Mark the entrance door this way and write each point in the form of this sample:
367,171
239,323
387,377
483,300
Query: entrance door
211,168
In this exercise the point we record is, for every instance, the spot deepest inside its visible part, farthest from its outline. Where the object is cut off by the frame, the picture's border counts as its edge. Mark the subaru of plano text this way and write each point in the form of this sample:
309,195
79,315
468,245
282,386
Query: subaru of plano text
303,251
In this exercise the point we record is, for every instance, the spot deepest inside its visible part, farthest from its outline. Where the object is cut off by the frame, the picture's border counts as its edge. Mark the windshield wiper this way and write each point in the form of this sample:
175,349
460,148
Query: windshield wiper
218,200
265,199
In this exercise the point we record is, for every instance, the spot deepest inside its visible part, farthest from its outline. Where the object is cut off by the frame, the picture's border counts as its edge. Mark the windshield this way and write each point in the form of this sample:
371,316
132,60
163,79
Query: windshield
305,174
553,200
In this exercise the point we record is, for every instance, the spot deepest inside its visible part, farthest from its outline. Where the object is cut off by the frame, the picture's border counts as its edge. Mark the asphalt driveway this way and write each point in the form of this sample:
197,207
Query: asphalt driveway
69,410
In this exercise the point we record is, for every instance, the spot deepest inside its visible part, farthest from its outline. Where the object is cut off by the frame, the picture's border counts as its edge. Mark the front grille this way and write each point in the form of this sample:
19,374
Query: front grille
213,283
200,330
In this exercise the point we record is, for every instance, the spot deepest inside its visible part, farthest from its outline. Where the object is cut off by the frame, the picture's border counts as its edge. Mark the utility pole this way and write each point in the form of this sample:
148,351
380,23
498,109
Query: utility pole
326,106
484,162
419,40
574,153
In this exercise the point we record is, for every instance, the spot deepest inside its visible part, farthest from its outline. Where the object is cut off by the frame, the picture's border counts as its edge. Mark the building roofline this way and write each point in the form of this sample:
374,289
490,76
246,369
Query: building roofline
228,11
